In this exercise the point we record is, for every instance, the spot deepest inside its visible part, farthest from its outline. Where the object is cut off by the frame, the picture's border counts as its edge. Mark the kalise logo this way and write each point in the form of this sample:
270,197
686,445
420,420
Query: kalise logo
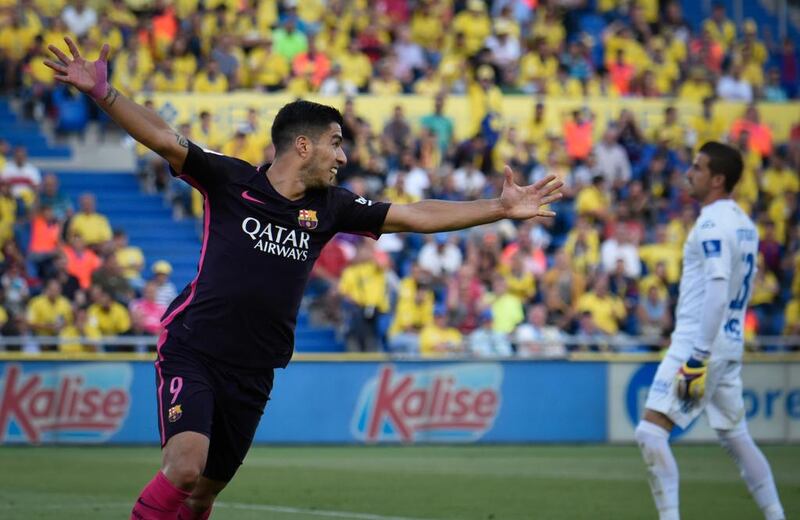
73,403
447,403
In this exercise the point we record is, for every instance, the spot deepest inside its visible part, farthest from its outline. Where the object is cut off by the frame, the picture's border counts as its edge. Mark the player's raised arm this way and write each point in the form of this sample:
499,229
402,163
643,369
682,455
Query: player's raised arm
515,202
142,124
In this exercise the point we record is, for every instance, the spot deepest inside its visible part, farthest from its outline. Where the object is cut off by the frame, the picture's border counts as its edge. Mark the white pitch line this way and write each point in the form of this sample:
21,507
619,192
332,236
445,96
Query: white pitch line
229,505
312,512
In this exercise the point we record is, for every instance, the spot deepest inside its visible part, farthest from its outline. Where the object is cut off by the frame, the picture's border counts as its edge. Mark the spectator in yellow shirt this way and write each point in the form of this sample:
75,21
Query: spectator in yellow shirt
385,84
791,317
485,97
474,24
592,200
356,67
708,126
210,80
696,87
663,250
49,312
129,258
779,178
413,312
82,328
165,79
439,338
205,134
720,27
89,224
111,318
268,70
607,311
363,286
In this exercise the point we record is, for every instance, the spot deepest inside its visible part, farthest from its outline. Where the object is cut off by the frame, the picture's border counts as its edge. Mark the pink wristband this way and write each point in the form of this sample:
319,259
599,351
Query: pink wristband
100,88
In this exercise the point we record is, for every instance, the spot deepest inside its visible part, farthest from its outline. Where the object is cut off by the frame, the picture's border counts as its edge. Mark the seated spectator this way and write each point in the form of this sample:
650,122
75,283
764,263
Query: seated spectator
82,328
439,338
363,287
506,307
165,289
23,177
82,262
129,258
535,338
92,227
45,240
485,341
111,318
441,256
653,314
49,312
621,247
520,282
561,287
109,276
146,312
413,311
605,310
15,287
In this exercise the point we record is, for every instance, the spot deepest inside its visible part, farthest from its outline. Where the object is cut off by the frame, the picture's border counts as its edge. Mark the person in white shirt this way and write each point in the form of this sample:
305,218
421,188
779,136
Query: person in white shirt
23,176
701,371
732,87
441,256
79,17
611,160
621,247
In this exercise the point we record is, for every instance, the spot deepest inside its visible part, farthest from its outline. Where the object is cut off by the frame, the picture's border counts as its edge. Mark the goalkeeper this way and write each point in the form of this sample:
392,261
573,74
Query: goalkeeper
702,368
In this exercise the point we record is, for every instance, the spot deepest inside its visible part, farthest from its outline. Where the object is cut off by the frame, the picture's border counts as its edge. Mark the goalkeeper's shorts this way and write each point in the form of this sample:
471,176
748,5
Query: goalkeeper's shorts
722,400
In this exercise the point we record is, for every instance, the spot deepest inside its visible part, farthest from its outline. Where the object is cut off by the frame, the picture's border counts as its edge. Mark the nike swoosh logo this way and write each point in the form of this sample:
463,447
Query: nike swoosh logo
247,196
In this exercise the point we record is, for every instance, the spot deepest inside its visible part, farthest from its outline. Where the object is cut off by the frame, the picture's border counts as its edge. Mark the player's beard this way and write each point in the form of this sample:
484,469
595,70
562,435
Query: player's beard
317,176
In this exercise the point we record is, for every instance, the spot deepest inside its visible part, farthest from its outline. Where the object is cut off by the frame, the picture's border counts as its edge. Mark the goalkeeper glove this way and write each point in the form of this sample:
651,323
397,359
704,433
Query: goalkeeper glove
691,378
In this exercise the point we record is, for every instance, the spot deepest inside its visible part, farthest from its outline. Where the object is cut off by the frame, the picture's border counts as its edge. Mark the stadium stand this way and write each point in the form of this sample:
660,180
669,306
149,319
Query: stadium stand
606,268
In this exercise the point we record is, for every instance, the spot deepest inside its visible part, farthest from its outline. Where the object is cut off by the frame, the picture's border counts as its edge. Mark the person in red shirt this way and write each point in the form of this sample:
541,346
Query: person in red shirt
760,134
578,135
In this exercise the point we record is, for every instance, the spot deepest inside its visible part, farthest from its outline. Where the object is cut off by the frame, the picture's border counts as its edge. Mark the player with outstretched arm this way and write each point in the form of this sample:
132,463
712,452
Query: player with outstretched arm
264,228
701,371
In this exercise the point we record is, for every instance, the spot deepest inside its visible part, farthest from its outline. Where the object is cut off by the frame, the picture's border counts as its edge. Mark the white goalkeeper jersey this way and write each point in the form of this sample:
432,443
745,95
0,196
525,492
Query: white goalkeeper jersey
723,244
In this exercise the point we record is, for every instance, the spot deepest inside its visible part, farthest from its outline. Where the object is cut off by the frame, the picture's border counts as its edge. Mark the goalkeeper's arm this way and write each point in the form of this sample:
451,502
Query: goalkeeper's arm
692,375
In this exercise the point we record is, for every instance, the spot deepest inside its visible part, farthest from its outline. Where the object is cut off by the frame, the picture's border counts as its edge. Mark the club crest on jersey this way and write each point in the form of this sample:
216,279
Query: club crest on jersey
174,413
712,248
307,218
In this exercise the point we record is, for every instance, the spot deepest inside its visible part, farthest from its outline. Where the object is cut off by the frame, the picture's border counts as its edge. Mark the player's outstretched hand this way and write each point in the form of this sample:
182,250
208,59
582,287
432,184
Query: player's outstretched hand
691,379
90,77
523,202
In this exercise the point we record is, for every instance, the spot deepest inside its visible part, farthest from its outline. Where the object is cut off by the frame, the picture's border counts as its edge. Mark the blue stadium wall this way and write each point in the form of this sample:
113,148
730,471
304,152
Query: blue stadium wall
354,402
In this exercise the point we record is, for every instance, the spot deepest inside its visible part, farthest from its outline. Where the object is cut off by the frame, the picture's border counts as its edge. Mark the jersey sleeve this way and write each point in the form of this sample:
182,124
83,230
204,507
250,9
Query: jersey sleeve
207,169
715,248
356,214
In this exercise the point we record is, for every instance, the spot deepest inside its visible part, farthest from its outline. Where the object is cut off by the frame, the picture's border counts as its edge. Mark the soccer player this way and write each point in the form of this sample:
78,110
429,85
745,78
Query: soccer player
702,368
264,228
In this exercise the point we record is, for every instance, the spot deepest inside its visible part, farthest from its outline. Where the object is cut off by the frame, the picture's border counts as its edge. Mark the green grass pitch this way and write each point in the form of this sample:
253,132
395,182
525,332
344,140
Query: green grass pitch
397,483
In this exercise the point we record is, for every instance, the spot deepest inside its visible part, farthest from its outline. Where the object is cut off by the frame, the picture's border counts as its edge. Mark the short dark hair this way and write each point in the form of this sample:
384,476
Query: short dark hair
302,118
724,160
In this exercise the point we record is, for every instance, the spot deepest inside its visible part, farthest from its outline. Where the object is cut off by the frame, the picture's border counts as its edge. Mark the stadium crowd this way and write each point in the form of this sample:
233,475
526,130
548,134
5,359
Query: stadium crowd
606,267
65,272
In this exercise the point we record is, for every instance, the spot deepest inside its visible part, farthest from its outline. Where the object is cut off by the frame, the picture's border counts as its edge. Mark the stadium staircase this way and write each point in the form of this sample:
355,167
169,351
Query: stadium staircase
28,134
146,218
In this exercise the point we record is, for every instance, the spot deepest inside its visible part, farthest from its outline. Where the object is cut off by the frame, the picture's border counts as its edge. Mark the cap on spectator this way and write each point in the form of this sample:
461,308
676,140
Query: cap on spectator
162,267
502,26
485,316
440,310
485,72
749,26
476,5
441,238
